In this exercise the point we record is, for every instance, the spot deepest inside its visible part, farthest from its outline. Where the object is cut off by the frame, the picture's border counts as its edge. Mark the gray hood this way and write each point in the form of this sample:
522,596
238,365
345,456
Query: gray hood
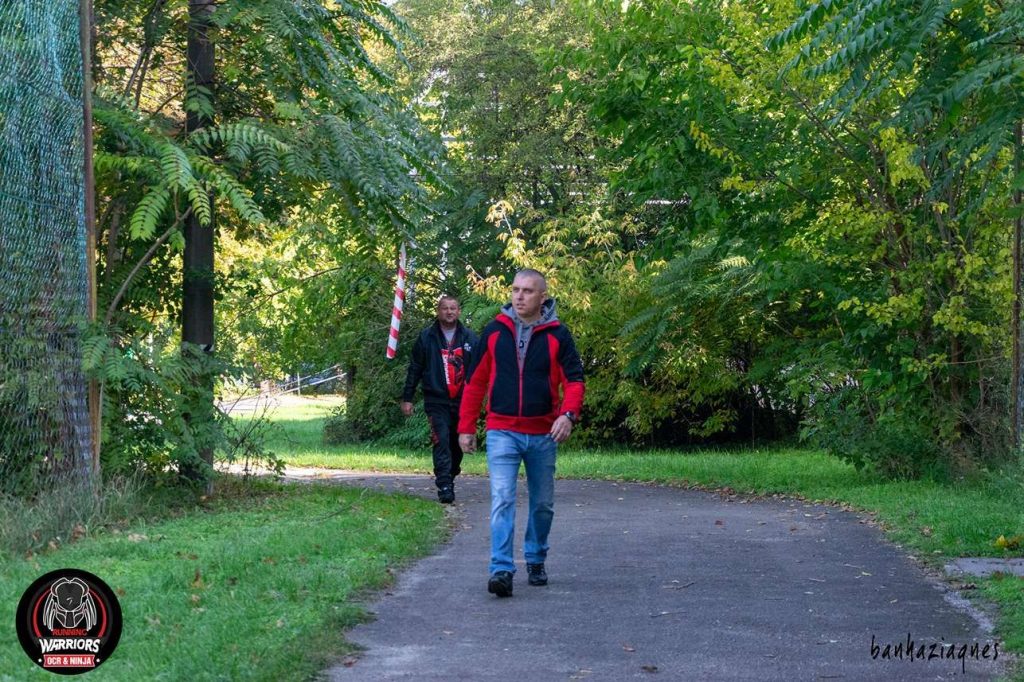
525,331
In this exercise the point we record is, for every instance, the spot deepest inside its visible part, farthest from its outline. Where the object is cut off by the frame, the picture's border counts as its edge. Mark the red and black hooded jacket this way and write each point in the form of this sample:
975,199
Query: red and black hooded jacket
524,397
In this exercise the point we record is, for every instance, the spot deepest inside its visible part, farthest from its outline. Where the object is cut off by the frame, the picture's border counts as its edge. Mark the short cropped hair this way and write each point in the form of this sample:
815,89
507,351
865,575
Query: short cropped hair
530,272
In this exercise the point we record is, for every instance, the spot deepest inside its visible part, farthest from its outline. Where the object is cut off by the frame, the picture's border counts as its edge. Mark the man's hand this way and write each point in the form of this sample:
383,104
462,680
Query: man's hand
406,409
561,429
467,441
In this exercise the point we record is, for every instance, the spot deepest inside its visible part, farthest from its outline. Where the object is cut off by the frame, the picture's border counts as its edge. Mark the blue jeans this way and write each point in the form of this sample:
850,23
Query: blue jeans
505,450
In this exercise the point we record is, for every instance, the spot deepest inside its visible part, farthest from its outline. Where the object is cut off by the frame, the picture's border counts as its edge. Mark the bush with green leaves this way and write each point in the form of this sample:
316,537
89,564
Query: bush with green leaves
150,399
858,156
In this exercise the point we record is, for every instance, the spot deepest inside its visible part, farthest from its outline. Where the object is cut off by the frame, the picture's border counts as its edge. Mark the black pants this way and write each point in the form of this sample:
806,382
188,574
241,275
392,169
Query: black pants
444,435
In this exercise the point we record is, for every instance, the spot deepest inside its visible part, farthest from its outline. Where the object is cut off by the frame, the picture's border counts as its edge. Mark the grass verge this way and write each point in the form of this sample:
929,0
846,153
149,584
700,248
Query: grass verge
254,584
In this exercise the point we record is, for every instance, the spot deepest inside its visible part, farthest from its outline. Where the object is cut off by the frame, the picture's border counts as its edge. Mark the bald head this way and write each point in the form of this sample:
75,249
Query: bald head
530,272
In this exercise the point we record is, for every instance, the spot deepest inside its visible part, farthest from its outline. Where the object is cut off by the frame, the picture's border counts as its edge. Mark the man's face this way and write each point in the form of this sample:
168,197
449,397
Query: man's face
527,296
448,311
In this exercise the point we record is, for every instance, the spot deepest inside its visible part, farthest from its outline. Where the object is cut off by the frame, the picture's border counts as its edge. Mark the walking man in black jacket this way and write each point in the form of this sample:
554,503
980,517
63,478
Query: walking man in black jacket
441,359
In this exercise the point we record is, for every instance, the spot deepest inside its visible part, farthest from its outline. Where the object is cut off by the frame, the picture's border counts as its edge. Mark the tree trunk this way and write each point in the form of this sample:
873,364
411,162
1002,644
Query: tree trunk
197,309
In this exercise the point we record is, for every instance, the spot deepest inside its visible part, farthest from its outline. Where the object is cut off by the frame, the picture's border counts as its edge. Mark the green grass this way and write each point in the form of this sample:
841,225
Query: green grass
934,521
299,423
256,583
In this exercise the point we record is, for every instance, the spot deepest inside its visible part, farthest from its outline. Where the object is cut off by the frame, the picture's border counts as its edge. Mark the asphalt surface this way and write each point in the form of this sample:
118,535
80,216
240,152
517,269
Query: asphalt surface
651,582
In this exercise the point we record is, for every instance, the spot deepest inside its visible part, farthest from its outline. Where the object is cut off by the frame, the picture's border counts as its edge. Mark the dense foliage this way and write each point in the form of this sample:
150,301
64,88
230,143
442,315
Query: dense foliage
756,216
311,158
780,212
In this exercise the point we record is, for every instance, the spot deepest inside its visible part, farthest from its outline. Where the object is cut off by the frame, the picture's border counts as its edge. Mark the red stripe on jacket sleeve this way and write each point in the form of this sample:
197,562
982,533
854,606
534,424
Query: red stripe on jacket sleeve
573,399
556,377
476,389
572,375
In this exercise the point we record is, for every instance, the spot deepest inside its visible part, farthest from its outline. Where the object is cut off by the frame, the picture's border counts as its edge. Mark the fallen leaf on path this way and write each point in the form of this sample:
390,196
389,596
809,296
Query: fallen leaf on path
628,648
649,668
677,586
719,522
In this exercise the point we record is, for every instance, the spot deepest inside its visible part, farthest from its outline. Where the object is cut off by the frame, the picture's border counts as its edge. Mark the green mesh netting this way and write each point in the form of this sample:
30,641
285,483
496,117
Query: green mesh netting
44,415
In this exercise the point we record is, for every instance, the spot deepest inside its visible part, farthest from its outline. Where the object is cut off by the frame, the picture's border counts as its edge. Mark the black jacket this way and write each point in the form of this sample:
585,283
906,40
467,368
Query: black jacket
443,370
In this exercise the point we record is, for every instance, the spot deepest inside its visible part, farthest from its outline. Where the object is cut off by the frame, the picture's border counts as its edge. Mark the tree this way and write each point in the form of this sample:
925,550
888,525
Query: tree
197,267
309,138
878,298
963,63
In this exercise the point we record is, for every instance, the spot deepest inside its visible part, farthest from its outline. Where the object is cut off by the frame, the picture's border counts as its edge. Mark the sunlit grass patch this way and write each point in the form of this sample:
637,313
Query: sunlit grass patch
254,584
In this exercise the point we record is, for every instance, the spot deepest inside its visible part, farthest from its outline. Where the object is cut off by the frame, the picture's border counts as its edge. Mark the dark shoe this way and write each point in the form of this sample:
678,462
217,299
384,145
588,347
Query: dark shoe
500,584
446,494
537,574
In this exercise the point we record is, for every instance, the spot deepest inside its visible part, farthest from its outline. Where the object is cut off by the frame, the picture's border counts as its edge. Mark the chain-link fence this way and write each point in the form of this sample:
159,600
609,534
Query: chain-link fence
44,414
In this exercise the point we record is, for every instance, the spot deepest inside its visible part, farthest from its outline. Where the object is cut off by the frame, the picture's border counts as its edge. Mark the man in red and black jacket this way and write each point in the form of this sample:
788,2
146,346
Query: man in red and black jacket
440,359
527,367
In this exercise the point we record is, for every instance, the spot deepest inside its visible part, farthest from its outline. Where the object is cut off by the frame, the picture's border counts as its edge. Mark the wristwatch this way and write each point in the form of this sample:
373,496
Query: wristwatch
571,416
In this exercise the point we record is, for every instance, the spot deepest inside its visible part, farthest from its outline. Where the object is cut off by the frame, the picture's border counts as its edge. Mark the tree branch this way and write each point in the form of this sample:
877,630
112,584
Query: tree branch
138,266
284,289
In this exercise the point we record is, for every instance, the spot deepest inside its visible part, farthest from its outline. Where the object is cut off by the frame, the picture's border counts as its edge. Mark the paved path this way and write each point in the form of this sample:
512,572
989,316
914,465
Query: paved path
652,582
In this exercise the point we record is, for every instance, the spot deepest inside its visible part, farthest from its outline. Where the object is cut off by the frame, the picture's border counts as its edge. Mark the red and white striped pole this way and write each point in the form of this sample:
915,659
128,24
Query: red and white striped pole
396,310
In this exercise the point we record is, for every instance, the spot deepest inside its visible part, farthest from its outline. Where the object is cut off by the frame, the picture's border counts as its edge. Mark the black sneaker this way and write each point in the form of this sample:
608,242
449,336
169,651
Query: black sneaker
537,574
500,584
446,494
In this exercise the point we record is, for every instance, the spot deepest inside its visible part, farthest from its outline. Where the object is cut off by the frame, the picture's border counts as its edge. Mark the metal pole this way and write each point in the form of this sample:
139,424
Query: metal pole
95,407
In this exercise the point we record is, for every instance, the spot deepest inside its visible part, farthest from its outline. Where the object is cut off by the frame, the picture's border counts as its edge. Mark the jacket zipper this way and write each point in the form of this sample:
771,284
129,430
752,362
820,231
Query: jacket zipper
522,363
